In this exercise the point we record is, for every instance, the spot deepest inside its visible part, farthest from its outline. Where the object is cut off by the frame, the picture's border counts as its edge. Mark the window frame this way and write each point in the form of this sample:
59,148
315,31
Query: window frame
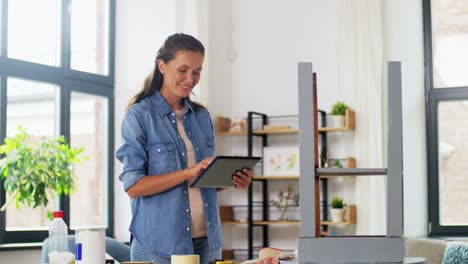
433,97
68,81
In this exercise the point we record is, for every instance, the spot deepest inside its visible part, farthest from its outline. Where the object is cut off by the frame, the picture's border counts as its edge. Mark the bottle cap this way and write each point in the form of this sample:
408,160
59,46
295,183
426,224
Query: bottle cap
58,214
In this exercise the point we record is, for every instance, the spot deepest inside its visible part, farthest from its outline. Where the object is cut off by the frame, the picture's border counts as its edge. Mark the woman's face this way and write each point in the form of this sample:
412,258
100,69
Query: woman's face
181,74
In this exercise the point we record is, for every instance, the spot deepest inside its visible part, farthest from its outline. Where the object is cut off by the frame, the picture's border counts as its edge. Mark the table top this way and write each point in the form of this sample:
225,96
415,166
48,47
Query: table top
414,260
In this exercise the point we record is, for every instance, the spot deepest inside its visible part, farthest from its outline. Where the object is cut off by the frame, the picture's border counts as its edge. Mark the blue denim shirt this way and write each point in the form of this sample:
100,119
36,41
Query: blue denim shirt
151,145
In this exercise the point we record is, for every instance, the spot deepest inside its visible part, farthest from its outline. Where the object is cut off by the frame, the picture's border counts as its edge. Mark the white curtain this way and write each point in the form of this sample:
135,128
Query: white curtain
360,70
192,18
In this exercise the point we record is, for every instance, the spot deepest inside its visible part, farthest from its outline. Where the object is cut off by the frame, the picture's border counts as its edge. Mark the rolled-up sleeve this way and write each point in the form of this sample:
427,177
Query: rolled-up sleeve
132,153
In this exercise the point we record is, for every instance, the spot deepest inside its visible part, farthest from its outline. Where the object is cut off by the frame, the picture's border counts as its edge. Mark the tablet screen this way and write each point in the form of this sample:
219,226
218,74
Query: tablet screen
219,173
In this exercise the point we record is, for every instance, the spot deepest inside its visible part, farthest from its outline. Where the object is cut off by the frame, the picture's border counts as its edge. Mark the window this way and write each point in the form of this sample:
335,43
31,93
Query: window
89,129
56,78
446,39
34,31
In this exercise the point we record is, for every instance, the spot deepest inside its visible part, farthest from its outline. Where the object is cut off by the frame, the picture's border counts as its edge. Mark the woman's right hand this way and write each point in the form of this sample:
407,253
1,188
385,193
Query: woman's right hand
201,166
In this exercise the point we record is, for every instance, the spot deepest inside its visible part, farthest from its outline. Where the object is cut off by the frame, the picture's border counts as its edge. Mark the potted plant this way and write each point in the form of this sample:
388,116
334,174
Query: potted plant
285,200
35,171
338,112
337,211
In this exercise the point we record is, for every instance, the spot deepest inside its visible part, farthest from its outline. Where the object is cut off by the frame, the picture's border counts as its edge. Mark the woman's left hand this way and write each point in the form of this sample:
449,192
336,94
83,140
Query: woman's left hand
242,179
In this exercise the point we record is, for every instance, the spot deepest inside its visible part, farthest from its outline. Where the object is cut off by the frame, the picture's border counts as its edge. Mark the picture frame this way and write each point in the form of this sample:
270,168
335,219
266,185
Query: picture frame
281,161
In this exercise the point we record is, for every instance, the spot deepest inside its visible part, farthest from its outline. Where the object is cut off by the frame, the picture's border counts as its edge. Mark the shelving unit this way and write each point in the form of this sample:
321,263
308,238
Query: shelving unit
222,127
263,134
263,180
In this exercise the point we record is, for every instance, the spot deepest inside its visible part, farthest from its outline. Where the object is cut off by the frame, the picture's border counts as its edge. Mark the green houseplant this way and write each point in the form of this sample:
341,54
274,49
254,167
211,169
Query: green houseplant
337,211
34,171
339,108
338,112
337,202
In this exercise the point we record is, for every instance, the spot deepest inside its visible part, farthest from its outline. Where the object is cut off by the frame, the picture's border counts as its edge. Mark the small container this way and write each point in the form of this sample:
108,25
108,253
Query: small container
185,259
90,243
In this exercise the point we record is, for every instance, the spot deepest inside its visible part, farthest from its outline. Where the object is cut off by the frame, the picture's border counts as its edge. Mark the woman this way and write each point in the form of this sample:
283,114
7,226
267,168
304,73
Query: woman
167,141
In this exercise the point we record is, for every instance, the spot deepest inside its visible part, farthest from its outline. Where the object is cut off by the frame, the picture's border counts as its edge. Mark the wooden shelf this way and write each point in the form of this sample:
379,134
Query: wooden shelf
231,222
276,131
269,223
223,125
334,223
334,129
283,177
349,124
350,217
352,172
232,133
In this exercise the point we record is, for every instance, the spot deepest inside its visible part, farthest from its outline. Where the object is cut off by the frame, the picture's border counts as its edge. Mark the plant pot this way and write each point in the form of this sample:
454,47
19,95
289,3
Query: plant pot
337,214
338,121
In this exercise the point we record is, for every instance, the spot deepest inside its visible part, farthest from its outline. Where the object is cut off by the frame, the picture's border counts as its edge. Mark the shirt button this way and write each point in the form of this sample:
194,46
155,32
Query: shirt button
183,153
189,133
185,192
178,136
197,149
172,114
186,210
185,117
173,121
206,205
188,228
208,223
159,150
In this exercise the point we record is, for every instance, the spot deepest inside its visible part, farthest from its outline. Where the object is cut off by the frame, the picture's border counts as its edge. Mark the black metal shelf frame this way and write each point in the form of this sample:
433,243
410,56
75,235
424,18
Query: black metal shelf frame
265,204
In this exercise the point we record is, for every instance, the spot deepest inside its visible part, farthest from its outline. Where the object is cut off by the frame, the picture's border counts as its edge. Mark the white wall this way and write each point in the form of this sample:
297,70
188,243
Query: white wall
270,37
220,55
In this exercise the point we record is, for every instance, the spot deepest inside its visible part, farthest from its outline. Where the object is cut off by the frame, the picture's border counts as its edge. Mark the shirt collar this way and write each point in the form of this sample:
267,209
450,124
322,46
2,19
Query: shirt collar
163,107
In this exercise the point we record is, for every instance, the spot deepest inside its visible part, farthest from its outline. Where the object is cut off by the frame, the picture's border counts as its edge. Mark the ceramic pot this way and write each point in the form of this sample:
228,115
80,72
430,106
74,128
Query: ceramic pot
337,214
338,121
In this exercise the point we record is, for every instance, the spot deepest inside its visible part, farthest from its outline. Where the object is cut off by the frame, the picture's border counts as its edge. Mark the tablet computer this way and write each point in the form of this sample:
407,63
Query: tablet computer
219,173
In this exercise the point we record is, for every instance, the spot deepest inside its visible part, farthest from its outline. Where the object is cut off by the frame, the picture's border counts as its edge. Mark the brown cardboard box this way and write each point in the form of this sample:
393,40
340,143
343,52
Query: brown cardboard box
226,213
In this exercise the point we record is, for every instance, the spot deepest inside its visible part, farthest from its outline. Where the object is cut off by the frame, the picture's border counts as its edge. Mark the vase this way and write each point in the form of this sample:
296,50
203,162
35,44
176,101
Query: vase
338,121
337,214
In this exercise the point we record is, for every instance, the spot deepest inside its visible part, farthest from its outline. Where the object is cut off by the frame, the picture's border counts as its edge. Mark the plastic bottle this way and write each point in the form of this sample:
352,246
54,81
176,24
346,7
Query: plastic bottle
58,234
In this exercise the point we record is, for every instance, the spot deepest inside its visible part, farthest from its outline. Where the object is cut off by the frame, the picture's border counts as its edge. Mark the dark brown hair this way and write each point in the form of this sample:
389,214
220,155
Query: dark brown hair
166,53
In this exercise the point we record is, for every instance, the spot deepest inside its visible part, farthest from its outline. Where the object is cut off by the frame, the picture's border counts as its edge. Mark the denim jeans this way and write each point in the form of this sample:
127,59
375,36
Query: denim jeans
200,247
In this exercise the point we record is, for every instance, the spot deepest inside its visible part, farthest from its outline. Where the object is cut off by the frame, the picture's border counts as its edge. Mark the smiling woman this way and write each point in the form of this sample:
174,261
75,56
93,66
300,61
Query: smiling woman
167,141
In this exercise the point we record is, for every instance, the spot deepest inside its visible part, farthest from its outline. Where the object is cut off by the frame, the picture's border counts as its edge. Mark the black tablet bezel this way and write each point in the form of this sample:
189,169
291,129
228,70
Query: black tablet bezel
224,158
